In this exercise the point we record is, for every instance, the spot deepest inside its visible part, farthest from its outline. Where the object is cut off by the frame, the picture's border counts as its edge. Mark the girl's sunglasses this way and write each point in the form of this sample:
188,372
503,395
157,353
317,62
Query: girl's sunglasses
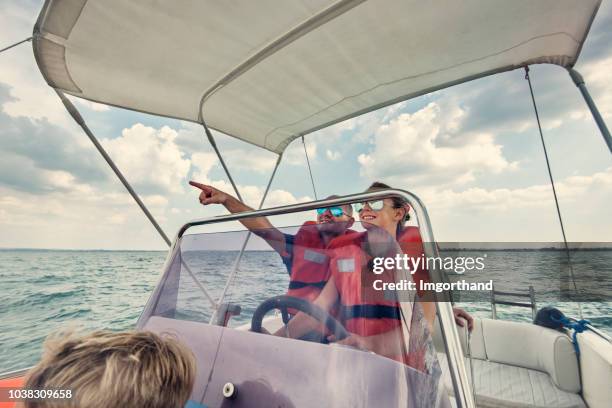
376,205
335,211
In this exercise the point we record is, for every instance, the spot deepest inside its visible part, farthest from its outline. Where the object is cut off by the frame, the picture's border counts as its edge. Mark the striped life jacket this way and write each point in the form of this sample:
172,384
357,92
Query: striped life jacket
363,310
310,266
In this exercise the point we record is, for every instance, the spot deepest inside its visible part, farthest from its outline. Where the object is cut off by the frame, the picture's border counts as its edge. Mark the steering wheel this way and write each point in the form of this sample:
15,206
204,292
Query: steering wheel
283,303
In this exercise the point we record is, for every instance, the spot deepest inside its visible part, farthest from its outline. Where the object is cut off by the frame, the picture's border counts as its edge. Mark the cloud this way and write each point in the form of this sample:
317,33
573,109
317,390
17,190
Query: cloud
253,159
569,190
37,155
251,194
426,148
55,190
237,154
294,154
332,155
522,214
96,107
203,163
74,219
597,44
502,103
150,158
33,97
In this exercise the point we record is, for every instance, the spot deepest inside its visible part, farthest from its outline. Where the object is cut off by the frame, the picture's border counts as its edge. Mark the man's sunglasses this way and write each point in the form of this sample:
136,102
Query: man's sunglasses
335,211
376,205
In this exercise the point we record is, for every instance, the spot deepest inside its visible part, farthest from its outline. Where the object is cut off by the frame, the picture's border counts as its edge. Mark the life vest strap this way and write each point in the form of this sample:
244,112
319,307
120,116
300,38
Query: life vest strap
369,312
300,285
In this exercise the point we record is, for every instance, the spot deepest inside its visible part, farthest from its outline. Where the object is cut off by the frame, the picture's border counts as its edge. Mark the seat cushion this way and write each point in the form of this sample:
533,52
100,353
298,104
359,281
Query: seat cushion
503,385
533,347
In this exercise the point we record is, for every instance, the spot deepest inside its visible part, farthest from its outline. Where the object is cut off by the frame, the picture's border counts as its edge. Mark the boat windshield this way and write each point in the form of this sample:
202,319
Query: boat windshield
302,307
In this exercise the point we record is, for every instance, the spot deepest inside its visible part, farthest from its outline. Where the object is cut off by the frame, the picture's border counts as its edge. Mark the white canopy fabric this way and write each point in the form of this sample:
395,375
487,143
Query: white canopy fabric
268,71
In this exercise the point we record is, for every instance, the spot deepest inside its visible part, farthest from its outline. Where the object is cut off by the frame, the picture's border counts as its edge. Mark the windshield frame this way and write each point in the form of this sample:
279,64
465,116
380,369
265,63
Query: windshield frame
450,335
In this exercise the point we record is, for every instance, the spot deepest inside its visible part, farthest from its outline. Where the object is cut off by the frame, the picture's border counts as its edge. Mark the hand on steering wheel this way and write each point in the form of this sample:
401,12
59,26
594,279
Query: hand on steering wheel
283,303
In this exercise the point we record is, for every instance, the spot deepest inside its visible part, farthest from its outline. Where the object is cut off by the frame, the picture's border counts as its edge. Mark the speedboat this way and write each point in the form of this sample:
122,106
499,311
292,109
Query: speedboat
268,73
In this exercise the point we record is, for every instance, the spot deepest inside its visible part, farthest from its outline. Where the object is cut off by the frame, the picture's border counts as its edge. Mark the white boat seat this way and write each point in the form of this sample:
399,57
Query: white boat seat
503,385
519,365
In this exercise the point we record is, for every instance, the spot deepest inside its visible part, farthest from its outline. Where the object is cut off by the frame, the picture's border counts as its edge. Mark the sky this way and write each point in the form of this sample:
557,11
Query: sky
472,153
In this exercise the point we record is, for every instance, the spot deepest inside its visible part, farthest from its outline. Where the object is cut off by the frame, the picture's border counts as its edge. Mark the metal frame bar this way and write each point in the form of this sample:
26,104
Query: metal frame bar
232,274
530,294
509,303
15,373
599,333
213,143
579,81
493,303
234,271
449,332
534,306
150,306
498,292
199,285
81,122
16,44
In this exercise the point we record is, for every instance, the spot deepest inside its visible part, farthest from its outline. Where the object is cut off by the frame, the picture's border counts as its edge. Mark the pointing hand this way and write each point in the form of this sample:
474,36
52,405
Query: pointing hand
209,194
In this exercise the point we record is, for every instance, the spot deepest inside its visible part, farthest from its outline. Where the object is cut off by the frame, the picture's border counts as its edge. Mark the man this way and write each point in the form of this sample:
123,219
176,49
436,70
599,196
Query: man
304,254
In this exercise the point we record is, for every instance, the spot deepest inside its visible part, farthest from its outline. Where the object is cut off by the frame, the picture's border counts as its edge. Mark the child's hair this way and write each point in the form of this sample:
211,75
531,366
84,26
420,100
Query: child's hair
106,369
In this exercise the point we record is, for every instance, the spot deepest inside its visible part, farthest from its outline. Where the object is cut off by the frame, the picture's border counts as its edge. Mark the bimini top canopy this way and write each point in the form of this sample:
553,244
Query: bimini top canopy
268,71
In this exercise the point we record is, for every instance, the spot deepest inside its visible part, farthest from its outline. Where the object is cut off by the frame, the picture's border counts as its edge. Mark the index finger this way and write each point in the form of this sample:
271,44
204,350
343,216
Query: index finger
201,186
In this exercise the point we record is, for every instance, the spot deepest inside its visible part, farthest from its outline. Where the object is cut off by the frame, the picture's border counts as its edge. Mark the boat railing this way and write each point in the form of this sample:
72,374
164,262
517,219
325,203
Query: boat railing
495,300
14,373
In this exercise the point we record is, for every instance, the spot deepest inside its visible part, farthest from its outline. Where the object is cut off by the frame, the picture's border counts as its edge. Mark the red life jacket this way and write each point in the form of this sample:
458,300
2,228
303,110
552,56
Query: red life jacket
364,310
412,245
310,265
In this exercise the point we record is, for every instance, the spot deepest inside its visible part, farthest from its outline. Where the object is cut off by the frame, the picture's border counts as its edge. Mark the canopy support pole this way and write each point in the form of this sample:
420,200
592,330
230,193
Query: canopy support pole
552,184
16,44
309,169
232,274
213,143
579,81
81,122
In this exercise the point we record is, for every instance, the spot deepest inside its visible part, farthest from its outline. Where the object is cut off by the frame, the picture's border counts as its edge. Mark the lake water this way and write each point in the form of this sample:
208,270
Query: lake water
43,291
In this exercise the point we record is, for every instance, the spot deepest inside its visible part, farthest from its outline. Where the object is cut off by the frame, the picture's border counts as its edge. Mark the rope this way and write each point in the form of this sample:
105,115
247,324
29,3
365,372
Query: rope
16,44
552,183
309,169
578,326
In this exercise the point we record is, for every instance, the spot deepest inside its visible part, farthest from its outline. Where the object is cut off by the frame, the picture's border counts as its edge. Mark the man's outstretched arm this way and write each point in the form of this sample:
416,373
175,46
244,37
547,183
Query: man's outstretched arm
258,225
